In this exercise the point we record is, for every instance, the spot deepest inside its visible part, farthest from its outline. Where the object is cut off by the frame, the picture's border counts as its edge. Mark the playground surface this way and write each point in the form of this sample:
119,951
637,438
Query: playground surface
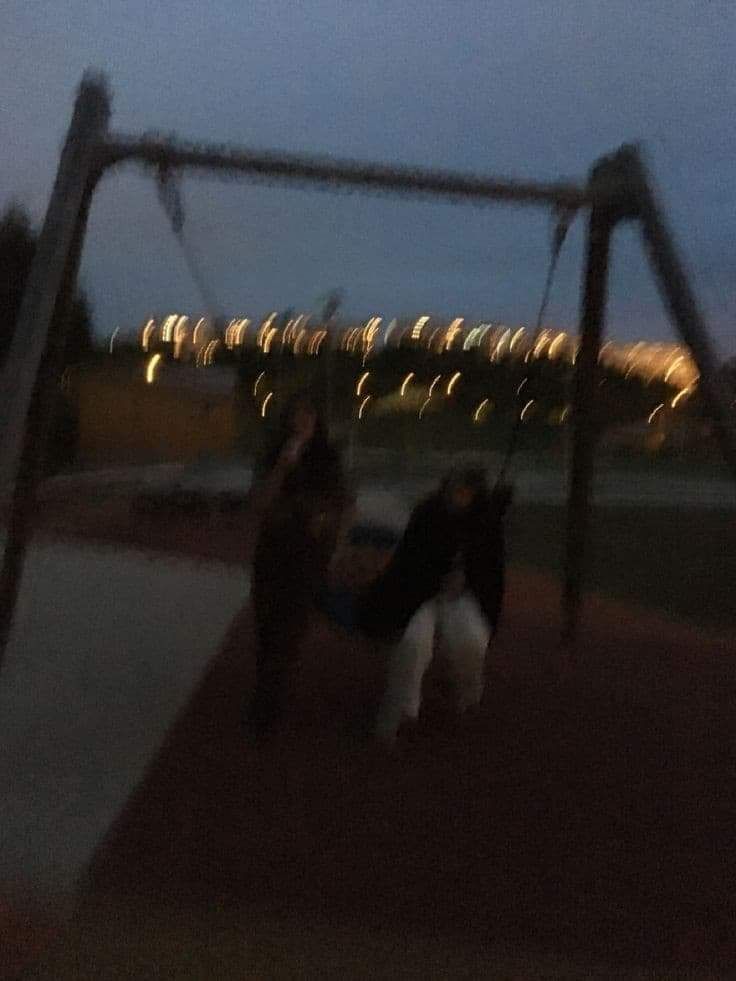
579,826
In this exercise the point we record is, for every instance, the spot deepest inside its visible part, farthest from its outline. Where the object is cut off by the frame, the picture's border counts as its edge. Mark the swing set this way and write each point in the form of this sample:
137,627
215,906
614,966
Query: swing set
618,189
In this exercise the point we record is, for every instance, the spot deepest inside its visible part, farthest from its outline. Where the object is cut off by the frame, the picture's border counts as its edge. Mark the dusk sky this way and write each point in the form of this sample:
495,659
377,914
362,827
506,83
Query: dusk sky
528,89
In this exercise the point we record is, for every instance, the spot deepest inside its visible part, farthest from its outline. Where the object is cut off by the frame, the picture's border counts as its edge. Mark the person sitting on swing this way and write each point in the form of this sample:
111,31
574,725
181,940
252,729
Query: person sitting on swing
443,589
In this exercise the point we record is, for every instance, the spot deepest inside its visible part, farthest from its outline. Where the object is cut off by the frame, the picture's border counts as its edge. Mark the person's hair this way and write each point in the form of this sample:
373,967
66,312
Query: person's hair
472,476
319,440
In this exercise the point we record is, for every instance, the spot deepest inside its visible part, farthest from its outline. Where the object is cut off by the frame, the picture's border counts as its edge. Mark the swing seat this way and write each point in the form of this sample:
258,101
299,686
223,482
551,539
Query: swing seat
369,548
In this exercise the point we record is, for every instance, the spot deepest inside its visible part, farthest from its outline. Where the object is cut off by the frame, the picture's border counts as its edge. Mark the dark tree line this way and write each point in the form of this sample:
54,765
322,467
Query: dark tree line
17,249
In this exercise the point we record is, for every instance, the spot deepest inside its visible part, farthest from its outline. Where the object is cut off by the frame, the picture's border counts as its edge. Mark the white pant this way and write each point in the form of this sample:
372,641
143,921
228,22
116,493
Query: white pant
461,633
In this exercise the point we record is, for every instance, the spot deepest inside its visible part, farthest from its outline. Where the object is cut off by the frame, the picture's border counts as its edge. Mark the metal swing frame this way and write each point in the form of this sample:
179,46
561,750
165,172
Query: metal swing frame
618,189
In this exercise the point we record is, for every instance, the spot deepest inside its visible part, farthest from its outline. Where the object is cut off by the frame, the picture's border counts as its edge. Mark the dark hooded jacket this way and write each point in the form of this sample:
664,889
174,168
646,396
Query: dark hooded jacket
433,539
299,530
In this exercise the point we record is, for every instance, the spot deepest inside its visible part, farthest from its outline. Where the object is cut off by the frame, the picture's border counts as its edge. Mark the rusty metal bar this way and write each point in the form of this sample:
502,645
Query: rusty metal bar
160,152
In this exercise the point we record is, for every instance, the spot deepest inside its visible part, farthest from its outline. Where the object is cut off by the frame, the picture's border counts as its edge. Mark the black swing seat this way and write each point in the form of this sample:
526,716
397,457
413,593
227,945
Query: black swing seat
339,604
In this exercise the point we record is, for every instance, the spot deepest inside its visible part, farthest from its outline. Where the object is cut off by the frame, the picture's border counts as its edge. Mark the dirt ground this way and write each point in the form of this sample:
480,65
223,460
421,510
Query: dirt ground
581,825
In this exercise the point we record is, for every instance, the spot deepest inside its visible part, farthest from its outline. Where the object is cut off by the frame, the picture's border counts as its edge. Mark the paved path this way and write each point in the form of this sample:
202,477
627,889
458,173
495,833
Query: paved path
107,648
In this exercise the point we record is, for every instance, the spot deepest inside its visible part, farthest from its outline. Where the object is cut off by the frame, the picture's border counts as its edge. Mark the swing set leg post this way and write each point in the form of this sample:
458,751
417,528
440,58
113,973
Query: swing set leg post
620,189
611,203
585,425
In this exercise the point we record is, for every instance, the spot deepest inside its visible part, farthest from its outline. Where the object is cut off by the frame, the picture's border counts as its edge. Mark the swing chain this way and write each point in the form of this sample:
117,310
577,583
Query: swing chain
564,215
169,193
172,201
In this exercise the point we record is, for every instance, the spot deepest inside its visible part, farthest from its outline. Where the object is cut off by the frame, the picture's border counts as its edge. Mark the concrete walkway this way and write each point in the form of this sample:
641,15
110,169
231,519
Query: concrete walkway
107,648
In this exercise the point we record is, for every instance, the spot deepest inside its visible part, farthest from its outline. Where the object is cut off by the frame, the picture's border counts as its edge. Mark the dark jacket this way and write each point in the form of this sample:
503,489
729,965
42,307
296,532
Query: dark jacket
425,555
299,530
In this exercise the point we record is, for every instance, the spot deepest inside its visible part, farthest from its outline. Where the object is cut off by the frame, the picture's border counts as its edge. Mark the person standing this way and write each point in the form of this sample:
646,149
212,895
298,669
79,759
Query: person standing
303,499
443,591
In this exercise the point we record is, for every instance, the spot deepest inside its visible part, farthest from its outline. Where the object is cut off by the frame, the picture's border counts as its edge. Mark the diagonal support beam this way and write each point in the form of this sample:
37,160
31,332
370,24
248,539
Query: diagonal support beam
678,297
29,374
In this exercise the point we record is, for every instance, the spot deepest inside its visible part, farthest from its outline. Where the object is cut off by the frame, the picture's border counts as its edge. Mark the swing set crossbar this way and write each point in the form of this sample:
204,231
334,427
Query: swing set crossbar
170,154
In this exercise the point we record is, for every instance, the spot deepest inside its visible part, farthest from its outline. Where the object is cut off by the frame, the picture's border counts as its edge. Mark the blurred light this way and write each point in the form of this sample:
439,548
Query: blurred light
432,336
453,382
468,343
240,331
180,333
147,331
258,382
564,414
654,412
151,367
432,386
112,338
541,341
361,382
603,350
525,410
369,334
235,332
300,337
406,382
264,406
363,404
167,327
522,384
209,352
631,356
389,330
296,324
556,344
416,331
268,340
353,338
517,337
321,334
477,413
198,326
500,343
265,328
424,406
680,396
452,331
673,366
